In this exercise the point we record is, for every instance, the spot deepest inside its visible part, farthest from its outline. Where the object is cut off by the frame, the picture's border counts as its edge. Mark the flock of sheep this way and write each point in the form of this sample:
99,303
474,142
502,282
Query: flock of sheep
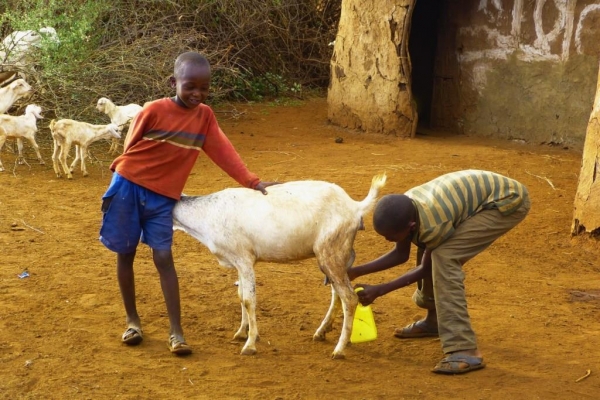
17,50
296,220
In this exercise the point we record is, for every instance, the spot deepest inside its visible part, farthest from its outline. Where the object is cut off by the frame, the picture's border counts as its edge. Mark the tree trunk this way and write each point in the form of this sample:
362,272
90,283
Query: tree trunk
370,68
586,215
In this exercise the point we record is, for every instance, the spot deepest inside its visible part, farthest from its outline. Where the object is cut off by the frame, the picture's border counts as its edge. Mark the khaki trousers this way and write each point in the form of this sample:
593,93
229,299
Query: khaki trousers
445,291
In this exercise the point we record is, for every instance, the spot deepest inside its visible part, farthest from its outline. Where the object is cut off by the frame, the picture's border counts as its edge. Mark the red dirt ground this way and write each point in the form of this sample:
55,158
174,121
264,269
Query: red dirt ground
534,295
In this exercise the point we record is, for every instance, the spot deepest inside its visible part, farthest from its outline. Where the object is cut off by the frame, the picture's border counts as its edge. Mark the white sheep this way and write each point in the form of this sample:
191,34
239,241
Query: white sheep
295,221
11,93
119,115
67,132
21,127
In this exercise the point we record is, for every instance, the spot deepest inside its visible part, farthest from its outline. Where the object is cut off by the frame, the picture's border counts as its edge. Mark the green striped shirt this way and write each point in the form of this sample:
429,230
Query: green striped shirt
445,202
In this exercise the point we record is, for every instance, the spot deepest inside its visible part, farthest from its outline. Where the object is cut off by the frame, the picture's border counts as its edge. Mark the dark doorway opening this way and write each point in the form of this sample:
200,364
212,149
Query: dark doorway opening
422,49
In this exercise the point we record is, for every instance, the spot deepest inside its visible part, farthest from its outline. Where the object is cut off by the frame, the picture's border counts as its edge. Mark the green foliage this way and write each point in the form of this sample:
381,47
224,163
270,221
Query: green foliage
249,87
59,67
124,50
75,22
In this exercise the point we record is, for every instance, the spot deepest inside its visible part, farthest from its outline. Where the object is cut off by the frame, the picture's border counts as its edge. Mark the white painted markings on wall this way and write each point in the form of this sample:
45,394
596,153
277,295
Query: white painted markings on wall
500,46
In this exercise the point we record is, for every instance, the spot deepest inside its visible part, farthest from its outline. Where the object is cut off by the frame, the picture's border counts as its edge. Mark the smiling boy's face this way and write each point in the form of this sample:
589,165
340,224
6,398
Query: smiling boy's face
192,84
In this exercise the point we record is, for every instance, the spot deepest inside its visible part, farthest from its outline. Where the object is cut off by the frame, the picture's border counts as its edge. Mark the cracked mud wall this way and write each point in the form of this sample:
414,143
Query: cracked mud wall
518,69
370,71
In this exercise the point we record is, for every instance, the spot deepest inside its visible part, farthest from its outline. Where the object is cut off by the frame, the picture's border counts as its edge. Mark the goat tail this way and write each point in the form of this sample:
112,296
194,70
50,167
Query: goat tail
377,183
51,126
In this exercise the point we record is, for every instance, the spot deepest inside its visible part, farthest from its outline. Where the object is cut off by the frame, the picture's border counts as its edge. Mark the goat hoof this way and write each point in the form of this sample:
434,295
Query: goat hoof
42,162
317,337
248,352
338,356
240,336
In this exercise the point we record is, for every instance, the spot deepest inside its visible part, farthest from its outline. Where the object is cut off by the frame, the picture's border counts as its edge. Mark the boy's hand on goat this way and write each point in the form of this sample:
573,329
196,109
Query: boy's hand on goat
263,185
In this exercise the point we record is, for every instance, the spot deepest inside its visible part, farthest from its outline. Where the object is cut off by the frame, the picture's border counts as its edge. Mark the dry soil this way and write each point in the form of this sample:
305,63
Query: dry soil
533,296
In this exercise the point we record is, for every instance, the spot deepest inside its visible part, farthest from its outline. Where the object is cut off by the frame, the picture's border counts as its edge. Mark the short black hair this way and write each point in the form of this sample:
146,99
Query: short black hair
392,213
190,57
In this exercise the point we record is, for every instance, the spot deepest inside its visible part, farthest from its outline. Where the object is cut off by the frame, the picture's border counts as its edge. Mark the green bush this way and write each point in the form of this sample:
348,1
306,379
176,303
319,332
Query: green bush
124,49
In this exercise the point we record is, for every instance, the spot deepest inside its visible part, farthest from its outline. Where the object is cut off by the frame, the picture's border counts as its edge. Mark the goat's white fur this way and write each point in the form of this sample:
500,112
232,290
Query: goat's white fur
11,93
16,46
119,115
67,132
17,51
296,220
21,127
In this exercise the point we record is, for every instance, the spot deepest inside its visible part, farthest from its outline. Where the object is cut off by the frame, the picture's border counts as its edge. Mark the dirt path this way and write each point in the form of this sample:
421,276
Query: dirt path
533,296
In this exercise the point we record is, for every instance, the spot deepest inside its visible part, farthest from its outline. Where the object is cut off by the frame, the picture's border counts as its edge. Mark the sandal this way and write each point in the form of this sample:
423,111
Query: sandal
451,365
422,330
132,336
179,347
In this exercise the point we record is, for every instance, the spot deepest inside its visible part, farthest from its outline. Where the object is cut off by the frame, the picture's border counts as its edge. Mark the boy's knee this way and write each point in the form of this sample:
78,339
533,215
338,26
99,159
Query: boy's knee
163,259
126,258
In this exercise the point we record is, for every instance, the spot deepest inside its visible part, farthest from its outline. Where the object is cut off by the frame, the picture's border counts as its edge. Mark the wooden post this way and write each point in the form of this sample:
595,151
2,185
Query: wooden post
586,214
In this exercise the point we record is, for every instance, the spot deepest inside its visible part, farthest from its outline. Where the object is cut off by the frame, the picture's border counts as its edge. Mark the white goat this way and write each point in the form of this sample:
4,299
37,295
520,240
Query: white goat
295,221
21,127
11,93
119,115
17,51
16,46
66,132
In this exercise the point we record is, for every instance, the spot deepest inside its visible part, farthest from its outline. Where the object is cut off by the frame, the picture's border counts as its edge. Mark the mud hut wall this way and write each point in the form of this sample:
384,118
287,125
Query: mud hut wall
586,210
370,74
517,69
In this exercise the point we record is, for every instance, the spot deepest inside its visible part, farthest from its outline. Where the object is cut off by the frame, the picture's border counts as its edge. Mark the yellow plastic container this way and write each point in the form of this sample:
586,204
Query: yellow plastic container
363,327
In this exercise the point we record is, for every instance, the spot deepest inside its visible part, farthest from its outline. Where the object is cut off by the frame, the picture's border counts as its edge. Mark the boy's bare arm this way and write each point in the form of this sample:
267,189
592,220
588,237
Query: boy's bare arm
371,292
399,255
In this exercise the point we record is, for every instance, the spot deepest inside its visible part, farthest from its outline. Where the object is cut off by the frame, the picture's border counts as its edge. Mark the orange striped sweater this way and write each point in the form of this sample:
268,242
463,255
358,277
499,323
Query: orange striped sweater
164,141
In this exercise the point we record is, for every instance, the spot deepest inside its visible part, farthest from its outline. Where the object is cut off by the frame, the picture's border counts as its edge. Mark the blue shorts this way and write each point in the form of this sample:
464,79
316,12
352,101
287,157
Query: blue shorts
132,213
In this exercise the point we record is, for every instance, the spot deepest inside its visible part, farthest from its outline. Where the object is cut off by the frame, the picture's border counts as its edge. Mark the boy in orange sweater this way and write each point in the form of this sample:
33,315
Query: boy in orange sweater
160,150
